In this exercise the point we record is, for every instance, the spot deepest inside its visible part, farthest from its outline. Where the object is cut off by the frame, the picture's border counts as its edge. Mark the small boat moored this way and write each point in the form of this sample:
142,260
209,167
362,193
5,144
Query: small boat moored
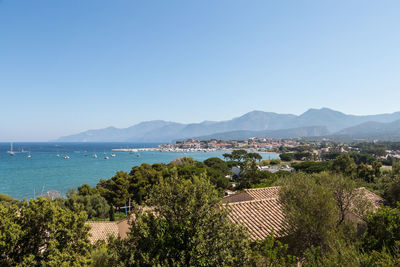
11,152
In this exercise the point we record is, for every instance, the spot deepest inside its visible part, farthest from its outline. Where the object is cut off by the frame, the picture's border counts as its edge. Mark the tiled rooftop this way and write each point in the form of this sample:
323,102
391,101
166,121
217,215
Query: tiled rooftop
375,200
253,194
260,211
101,230
257,209
261,217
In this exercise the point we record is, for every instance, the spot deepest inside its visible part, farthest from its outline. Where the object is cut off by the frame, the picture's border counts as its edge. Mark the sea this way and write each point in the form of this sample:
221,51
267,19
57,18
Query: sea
46,169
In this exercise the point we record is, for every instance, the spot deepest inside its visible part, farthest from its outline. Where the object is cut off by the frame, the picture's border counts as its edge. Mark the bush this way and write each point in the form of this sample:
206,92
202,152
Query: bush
95,206
7,200
287,156
187,230
383,229
41,233
310,213
312,166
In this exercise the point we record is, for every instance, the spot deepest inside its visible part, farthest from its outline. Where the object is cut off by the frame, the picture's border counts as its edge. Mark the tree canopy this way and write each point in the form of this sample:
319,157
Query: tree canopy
187,227
41,233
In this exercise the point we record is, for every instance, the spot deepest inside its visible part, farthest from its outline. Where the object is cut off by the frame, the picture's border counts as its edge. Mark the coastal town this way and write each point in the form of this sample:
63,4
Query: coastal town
299,148
318,149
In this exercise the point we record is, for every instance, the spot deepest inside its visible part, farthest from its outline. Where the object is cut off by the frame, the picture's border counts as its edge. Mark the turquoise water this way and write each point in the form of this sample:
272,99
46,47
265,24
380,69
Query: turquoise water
23,177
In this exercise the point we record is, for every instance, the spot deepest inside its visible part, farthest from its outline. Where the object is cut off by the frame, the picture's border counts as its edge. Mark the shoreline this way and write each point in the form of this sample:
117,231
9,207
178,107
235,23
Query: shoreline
182,150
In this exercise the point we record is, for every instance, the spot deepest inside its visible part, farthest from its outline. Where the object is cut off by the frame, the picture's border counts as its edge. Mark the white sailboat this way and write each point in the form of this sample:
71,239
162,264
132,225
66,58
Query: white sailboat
11,152
29,155
95,155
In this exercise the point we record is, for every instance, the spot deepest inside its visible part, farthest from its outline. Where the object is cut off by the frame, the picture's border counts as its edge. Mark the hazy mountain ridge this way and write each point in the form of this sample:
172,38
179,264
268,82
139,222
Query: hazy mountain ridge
372,130
312,131
313,122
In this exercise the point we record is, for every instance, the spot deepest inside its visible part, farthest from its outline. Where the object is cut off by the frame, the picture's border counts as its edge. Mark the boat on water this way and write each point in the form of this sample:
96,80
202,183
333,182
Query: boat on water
29,155
66,157
113,155
106,157
138,155
11,152
95,155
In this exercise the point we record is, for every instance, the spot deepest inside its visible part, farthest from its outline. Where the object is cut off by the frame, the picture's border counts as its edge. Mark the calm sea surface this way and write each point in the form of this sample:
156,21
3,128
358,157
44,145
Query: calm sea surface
23,177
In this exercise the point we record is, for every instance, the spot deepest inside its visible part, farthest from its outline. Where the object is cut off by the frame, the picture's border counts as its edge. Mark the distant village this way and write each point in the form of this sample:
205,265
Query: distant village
306,149
258,144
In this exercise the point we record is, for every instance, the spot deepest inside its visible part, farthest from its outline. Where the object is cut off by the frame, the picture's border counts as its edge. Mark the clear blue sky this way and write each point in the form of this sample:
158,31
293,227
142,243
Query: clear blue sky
72,65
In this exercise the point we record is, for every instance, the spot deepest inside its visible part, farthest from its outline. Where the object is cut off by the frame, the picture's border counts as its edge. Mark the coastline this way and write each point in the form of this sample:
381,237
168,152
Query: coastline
188,150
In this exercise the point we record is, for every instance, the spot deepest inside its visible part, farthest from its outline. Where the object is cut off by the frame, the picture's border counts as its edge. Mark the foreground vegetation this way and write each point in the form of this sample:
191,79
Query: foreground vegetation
187,225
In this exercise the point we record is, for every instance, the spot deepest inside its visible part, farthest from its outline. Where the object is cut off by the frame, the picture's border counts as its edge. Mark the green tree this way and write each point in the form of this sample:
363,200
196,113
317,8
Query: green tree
341,253
111,214
116,189
250,175
143,178
217,164
302,156
85,190
254,156
312,166
366,173
271,252
392,189
95,205
187,227
7,200
330,155
310,213
376,166
41,233
238,155
396,168
383,229
11,233
344,164
286,156
347,197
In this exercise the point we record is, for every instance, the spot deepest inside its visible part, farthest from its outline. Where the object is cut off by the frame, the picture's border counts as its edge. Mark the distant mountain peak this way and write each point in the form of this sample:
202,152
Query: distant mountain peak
322,110
256,120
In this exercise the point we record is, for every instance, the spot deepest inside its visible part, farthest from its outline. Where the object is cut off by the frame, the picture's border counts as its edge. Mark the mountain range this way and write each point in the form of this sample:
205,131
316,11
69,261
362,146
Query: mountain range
312,123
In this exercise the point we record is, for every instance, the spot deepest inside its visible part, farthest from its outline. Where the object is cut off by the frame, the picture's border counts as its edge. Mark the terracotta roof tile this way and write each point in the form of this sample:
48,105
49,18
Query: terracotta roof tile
101,230
375,200
263,193
260,211
253,194
261,217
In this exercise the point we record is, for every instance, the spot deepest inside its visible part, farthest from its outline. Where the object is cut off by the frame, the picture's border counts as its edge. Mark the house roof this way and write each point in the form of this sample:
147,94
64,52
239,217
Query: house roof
261,217
101,230
260,210
375,200
253,194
